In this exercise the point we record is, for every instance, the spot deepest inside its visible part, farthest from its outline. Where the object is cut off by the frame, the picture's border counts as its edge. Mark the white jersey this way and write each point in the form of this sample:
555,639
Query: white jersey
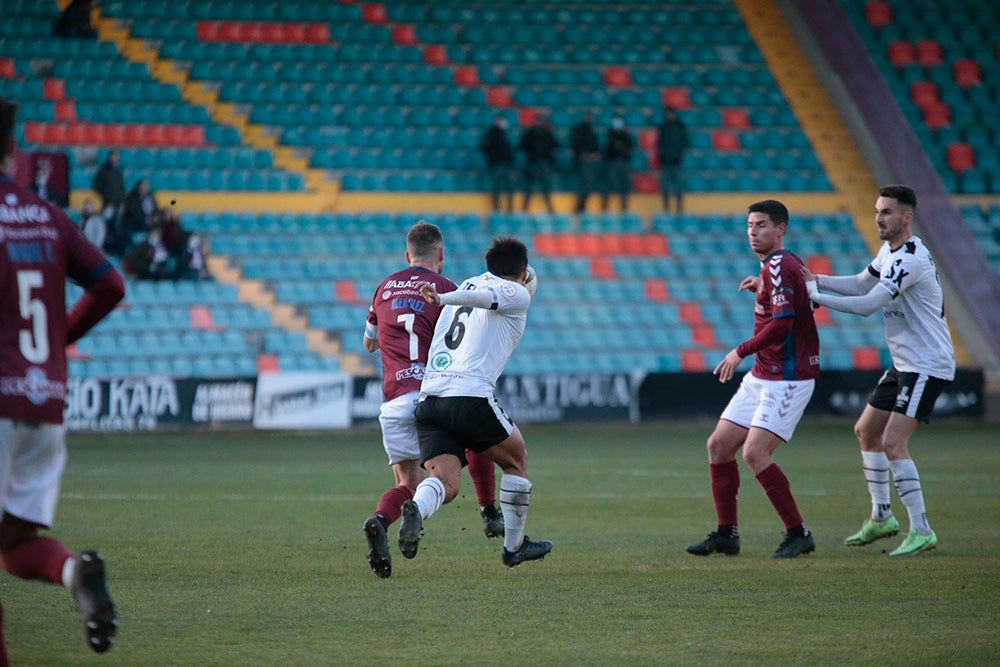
915,326
471,346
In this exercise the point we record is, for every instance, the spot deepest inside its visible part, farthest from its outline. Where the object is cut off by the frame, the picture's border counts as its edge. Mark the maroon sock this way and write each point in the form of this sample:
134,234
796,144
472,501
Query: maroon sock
390,504
37,558
779,492
725,487
484,478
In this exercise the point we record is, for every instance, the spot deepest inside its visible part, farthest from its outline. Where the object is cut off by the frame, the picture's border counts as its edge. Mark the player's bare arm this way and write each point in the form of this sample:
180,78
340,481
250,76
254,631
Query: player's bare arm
727,367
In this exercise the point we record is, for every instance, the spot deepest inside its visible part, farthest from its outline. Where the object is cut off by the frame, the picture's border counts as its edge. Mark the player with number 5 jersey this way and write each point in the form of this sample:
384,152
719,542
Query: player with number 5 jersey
40,248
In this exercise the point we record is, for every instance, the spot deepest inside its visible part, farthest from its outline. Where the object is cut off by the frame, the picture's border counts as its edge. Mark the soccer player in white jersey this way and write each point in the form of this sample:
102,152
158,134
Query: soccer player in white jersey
479,327
901,281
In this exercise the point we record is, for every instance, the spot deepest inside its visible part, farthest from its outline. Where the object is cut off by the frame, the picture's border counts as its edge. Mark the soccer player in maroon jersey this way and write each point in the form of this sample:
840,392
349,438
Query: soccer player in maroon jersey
40,248
772,397
401,324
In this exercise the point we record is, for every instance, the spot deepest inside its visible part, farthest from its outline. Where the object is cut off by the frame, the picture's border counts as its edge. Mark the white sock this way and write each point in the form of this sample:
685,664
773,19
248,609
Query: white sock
67,571
876,467
907,480
429,496
515,496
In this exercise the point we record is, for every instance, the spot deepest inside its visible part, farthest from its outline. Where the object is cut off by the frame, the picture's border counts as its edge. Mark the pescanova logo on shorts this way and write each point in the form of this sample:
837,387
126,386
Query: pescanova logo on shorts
441,361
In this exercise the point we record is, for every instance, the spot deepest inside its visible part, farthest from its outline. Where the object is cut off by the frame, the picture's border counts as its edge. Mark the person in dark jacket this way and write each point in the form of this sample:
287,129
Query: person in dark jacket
587,159
671,144
496,148
539,145
617,163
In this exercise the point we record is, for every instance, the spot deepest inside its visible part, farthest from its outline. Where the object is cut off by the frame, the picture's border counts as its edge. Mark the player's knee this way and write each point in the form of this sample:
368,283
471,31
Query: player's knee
718,448
756,460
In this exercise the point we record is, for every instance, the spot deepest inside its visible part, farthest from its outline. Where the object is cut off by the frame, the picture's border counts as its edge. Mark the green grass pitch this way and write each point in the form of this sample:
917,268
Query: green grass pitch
246,549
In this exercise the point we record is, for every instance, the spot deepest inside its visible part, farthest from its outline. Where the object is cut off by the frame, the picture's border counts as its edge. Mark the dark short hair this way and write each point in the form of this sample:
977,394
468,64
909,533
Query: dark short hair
8,120
901,193
507,257
423,240
772,208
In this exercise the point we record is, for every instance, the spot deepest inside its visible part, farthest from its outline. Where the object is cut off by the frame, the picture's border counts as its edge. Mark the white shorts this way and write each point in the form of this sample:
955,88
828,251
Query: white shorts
32,459
773,405
399,435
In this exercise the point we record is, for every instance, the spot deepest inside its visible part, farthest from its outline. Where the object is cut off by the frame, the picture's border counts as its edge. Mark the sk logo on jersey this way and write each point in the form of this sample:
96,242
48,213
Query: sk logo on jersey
441,361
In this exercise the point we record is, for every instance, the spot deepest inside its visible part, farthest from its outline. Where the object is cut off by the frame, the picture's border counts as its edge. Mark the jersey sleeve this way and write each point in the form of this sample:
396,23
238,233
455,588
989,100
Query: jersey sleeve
905,272
511,297
784,284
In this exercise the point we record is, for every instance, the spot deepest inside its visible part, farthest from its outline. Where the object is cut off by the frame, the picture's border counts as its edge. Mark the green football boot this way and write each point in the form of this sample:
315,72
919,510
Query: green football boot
872,530
915,543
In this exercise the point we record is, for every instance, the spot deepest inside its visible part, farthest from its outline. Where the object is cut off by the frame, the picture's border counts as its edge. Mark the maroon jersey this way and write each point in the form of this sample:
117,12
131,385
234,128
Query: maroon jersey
40,248
785,340
405,327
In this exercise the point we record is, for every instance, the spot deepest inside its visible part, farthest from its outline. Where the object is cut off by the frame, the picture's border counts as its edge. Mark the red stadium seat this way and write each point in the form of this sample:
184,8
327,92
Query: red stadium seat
404,33
725,140
466,75
498,96
54,89
294,32
34,133
435,54
656,290
820,264
929,52
648,137
961,156
200,317
192,135
173,135
374,12
7,70
676,97
76,133
114,134
346,291
644,181
693,360
93,133
690,313
923,93
966,73
736,117
878,13
937,115
207,31
545,244
901,53
267,362
317,33
616,75
602,267
134,134
267,31
154,134
867,359
632,243
526,116
65,109
230,31
704,334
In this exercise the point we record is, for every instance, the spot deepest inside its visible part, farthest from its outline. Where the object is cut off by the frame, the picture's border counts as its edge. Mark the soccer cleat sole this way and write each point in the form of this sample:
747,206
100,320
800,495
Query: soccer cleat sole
378,549
409,529
93,599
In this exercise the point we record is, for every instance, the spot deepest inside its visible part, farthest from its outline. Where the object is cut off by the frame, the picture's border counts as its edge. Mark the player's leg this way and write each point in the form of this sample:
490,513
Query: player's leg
484,480
769,428
918,393
399,439
32,459
4,660
515,499
724,472
439,487
874,462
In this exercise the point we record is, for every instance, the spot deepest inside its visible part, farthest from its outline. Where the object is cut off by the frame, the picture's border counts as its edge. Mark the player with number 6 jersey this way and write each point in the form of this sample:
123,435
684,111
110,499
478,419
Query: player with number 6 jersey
477,332
40,248
400,326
